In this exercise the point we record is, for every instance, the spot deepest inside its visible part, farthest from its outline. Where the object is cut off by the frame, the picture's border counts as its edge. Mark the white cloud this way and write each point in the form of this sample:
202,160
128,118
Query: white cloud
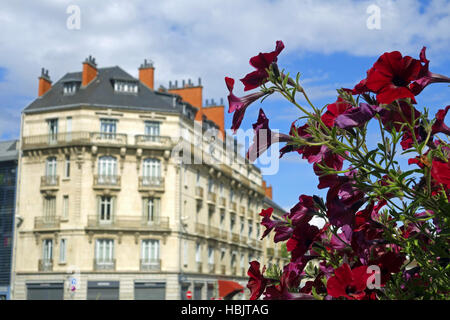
208,39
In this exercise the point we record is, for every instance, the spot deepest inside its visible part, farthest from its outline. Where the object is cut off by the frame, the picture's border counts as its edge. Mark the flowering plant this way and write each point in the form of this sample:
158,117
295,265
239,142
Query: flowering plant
386,231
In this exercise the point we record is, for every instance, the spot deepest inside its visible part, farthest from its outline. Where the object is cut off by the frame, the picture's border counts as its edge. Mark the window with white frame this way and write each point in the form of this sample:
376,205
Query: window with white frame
50,167
152,130
242,261
221,189
65,207
123,86
52,125
232,222
49,208
210,255
62,250
210,185
198,178
104,252
71,87
250,228
108,128
107,169
106,209
222,218
150,251
151,171
47,247
242,225
151,209
198,252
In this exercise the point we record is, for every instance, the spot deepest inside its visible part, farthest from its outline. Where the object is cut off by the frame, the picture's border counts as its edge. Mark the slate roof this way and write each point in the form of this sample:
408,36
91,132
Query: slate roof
100,93
8,150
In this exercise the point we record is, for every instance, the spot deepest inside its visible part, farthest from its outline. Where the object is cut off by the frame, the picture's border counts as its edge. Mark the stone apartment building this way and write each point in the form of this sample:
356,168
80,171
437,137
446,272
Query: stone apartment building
107,211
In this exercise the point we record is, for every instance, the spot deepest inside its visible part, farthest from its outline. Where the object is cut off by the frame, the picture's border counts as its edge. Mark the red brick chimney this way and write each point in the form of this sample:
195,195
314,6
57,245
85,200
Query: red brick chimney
147,74
45,83
89,71
267,190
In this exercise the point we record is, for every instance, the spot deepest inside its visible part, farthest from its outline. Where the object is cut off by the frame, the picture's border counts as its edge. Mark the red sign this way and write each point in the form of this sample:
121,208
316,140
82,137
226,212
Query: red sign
189,294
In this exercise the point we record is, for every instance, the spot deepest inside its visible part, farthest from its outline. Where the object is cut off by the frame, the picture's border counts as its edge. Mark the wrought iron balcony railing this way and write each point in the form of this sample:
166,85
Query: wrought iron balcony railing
50,182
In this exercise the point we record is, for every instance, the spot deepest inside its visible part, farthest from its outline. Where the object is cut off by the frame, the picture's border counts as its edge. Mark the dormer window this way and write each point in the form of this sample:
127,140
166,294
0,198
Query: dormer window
125,86
71,87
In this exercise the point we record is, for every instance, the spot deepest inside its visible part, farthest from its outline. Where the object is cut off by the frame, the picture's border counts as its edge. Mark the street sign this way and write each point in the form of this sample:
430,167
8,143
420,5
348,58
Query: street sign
189,294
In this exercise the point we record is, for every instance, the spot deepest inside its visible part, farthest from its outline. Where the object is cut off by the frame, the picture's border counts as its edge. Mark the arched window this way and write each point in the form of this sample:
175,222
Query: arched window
151,171
107,169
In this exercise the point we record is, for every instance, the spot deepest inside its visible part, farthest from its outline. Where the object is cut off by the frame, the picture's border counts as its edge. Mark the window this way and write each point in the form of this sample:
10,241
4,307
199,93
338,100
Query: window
222,218
151,172
232,222
221,189
107,170
242,225
71,87
52,130
151,209
50,168
65,207
69,129
231,195
108,128
47,254
125,86
242,261
233,259
198,177
198,253
257,230
150,251
152,130
106,206
250,228
210,185
104,252
185,253
67,167
222,255
49,208
62,251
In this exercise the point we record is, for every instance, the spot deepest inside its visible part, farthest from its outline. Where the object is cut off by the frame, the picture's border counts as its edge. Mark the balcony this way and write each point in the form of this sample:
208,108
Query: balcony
108,139
45,265
154,142
211,198
211,268
242,211
199,193
151,183
235,237
200,228
60,139
251,214
243,240
213,232
150,265
233,206
234,271
47,223
224,235
199,267
222,202
132,223
49,183
270,252
107,182
102,265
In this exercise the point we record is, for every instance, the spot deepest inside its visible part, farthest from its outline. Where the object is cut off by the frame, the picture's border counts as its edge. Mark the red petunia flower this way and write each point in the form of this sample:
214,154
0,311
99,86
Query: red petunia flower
439,125
348,283
239,105
257,283
393,118
440,172
334,110
261,62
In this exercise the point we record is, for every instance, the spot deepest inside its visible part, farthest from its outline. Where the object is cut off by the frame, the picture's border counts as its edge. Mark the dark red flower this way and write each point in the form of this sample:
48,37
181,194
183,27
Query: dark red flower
334,110
439,125
257,283
302,238
239,105
261,62
303,211
388,262
348,283
408,140
391,75
263,137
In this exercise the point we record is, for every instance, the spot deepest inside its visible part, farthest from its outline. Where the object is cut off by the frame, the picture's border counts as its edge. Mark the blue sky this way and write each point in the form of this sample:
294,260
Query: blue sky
327,41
